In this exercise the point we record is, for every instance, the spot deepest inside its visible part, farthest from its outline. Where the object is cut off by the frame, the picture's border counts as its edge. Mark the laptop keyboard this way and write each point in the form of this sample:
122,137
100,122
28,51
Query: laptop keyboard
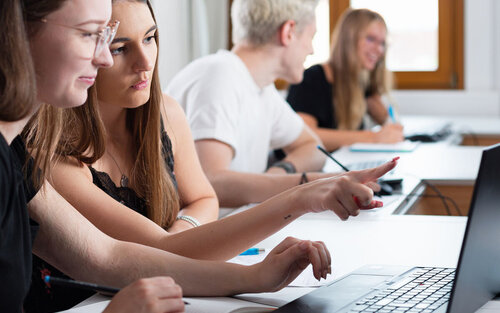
364,165
423,291
367,164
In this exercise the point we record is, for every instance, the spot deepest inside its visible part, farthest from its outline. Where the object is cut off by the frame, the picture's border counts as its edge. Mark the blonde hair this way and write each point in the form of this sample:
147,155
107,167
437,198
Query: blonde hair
257,21
351,81
84,139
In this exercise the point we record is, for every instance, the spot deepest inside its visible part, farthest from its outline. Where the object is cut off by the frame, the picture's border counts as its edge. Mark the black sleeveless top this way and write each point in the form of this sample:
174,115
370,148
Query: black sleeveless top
17,230
43,299
126,195
314,94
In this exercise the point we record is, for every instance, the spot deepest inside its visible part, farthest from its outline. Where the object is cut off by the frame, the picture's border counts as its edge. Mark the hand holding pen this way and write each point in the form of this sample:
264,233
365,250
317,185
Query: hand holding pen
159,294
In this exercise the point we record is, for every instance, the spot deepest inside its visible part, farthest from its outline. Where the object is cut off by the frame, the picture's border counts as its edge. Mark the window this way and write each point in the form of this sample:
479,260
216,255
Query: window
425,39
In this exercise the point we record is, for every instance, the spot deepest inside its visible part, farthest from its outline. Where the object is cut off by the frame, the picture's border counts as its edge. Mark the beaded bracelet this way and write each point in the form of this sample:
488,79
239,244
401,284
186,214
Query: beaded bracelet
303,179
191,220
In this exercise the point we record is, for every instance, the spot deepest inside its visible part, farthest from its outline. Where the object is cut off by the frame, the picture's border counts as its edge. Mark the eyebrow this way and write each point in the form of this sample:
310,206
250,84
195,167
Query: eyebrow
125,39
98,22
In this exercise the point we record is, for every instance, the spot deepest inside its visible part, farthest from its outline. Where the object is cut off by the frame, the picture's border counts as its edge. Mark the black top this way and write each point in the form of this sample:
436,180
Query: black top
314,96
43,299
16,229
126,195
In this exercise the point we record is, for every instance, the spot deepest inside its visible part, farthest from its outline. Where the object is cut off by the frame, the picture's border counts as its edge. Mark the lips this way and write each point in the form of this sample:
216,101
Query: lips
90,80
140,85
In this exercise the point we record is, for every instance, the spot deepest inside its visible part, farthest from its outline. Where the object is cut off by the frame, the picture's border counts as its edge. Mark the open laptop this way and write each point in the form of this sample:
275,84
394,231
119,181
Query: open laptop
423,289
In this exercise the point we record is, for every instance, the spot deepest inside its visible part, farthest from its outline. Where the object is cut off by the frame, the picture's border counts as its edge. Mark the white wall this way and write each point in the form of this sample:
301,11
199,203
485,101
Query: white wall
188,29
481,96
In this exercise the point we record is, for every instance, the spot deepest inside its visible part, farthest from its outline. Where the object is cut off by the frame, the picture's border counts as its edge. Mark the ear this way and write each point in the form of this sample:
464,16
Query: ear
287,32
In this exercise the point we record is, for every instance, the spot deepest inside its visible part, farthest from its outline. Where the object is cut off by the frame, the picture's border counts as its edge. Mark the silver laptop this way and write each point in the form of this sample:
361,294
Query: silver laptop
475,281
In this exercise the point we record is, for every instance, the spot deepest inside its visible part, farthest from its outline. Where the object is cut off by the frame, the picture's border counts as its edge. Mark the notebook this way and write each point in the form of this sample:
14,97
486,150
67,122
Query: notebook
404,146
476,280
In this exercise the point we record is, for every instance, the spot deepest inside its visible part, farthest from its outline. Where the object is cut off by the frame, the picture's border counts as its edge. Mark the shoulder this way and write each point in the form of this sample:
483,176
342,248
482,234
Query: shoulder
172,114
174,119
315,74
69,168
209,69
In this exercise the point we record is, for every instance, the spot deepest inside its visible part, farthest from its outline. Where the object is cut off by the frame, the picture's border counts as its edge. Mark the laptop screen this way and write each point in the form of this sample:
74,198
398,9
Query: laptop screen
477,278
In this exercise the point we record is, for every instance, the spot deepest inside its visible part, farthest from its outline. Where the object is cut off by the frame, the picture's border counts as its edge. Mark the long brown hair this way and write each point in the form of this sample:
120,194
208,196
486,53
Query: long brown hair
351,81
84,139
42,132
17,76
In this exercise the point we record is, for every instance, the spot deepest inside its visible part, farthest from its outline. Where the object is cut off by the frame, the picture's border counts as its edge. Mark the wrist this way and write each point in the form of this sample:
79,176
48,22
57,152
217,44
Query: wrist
189,219
286,165
253,278
180,225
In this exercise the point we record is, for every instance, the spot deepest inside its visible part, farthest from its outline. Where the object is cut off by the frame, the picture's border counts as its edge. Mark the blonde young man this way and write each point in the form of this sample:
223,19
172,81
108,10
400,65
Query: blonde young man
235,113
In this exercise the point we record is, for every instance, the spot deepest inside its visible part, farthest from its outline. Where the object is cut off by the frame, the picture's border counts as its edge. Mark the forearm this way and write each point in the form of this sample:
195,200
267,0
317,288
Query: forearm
71,243
196,277
226,238
306,158
377,110
334,139
235,189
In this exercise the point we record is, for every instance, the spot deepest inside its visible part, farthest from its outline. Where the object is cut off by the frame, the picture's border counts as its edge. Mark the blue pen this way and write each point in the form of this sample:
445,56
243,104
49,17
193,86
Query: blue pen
253,251
391,113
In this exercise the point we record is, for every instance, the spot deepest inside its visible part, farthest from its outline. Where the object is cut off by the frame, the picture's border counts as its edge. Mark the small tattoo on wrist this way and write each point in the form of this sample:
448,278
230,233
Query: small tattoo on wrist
288,216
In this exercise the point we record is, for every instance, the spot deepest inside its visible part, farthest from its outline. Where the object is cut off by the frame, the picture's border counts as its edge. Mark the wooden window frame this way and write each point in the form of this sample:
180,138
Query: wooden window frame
450,73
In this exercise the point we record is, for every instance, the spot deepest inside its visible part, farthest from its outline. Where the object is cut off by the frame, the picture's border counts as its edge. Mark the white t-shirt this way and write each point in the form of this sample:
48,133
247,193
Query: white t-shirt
222,102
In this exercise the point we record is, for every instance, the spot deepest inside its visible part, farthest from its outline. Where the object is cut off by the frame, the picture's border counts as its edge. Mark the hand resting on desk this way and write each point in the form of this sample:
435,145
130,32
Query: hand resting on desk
287,260
152,295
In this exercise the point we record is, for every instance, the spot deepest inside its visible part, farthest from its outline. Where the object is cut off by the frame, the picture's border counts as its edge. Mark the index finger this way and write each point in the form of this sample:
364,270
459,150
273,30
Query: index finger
375,173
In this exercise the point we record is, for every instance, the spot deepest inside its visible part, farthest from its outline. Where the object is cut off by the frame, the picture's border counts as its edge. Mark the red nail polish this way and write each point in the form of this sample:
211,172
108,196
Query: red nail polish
395,159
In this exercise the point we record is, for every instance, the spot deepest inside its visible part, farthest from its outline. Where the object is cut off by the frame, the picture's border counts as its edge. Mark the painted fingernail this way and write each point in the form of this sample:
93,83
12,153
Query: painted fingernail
356,200
395,159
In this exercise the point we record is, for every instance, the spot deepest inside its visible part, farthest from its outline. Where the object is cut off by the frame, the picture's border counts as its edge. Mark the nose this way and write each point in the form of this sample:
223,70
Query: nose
144,61
103,59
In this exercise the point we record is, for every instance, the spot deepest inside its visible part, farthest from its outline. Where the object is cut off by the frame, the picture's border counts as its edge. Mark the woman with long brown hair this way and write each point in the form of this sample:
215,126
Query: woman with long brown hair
335,96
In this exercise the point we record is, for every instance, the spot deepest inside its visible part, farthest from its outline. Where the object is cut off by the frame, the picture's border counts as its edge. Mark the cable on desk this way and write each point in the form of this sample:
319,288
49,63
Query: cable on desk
443,198
439,195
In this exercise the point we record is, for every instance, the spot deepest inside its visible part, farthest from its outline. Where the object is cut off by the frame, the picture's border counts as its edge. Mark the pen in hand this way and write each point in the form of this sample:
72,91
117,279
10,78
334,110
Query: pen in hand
390,111
82,285
79,284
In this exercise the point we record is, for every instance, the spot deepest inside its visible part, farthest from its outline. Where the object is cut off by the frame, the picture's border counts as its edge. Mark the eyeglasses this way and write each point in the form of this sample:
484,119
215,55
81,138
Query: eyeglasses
103,38
374,41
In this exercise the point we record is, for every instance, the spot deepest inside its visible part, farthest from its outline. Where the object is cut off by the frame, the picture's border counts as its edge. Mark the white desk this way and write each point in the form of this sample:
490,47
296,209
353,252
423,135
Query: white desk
378,237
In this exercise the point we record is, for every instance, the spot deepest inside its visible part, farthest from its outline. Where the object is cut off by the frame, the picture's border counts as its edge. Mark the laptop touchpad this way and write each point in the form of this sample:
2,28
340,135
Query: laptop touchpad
335,296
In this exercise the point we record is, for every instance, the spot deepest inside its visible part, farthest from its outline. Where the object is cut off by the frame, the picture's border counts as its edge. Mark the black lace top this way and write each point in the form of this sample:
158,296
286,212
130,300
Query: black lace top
42,299
126,195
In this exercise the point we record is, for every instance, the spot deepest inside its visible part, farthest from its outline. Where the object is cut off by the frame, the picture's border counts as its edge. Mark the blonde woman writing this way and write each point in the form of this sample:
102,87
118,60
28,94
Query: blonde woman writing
335,96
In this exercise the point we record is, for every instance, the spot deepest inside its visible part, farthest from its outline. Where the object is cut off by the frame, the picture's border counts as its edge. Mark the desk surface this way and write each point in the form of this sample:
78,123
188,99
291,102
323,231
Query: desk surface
378,237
